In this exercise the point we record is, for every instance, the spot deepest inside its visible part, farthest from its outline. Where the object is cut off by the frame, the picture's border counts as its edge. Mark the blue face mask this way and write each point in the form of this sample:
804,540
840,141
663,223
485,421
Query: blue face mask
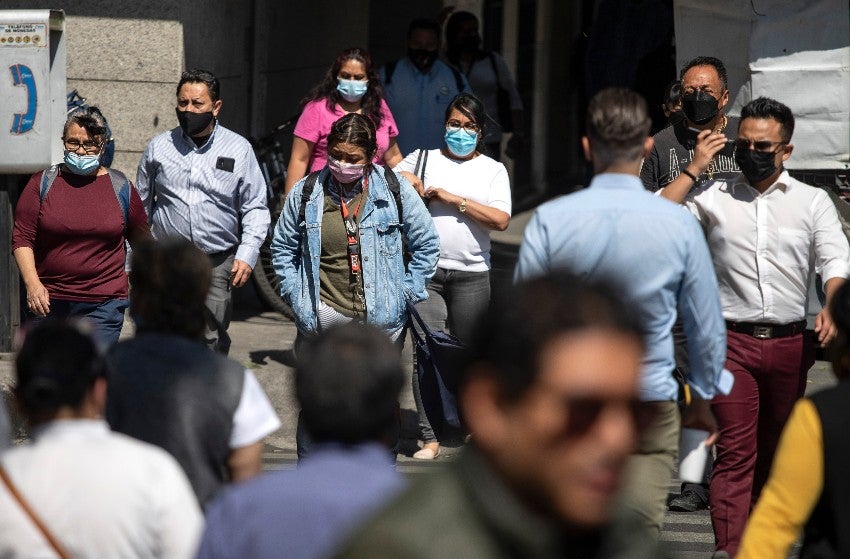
352,90
81,164
461,142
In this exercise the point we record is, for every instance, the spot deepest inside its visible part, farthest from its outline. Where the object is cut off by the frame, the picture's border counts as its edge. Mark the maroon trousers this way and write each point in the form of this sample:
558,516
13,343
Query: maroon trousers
770,375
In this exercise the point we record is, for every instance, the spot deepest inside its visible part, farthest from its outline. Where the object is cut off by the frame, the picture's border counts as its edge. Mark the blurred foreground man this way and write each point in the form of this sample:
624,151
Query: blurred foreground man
347,382
554,414
78,489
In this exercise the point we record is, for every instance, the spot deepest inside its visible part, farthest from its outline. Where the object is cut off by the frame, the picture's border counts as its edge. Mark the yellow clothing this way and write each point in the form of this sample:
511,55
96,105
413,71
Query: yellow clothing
793,489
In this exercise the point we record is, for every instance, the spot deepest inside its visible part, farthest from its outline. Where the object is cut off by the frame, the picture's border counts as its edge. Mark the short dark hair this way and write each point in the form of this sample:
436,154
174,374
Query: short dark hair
521,322
472,108
765,107
355,129
170,280
715,63
617,125
196,75
839,348
426,24
453,25
56,365
348,381
89,119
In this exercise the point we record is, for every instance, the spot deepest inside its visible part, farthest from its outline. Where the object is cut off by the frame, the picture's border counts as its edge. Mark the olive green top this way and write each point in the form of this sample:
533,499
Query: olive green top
338,287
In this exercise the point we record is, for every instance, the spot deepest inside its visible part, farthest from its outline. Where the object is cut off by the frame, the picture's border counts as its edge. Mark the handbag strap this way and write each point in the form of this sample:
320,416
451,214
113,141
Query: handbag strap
414,314
421,162
54,543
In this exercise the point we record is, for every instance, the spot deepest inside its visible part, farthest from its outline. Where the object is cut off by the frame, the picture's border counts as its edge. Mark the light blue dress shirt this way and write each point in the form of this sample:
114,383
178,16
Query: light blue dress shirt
213,195
418,102
655,251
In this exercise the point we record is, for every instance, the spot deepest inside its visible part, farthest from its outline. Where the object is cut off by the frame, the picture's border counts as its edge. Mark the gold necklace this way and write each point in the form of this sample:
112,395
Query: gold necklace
712,165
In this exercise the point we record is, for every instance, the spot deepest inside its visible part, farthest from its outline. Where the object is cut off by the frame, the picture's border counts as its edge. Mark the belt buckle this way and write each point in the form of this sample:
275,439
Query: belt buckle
763,332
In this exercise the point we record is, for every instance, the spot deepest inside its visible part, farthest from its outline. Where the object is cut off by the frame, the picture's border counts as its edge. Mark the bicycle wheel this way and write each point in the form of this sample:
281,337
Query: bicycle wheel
265,279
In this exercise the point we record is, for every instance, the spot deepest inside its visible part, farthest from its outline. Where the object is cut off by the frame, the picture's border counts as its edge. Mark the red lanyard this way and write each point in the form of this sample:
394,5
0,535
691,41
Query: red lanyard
351,227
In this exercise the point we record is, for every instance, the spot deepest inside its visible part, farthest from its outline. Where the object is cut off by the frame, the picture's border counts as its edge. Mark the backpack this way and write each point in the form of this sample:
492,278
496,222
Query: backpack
310,184
389,70
120,185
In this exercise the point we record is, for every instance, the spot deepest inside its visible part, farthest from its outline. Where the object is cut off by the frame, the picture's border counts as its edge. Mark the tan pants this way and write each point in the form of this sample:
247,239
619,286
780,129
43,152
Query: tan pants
650,469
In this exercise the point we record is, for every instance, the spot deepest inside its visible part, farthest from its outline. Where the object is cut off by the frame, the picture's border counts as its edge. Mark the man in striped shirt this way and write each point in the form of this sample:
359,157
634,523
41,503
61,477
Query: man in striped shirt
202,182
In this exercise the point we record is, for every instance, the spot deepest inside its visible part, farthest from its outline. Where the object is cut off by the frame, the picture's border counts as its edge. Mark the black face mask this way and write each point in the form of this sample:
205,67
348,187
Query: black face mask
755,165
422,59
699,107
194,123
470,43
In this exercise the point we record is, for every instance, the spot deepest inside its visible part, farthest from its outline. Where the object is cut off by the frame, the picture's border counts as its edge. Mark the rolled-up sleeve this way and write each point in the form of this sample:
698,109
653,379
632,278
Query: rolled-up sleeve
831,246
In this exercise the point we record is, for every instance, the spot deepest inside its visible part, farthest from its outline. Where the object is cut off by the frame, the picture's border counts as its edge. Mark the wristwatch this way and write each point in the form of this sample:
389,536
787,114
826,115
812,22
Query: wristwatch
462,206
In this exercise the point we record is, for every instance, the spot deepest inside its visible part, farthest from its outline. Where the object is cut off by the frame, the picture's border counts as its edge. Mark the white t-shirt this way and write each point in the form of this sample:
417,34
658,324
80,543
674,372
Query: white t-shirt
254,418
464,243
101,494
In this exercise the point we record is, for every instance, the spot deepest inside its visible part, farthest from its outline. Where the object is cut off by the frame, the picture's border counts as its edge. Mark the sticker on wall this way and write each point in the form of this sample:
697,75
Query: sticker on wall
23,35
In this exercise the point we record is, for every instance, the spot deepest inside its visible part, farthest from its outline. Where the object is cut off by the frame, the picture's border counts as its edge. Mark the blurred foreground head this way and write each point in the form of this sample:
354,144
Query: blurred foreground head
60,372
347,382
550,395
169,280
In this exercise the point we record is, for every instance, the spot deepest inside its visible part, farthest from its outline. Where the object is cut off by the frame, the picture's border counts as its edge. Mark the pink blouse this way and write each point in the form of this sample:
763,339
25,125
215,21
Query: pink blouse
315,122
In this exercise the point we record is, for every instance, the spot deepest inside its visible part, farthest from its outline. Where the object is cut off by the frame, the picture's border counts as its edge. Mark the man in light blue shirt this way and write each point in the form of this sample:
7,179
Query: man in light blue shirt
202,182
347,382
419,87
657,254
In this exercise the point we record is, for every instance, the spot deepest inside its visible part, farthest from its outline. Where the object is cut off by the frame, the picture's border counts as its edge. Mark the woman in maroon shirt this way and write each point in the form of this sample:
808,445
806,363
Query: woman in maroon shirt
70,232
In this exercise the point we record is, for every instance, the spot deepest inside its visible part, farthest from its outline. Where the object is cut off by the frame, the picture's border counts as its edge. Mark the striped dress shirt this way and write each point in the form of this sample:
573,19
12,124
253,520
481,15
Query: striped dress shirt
213,195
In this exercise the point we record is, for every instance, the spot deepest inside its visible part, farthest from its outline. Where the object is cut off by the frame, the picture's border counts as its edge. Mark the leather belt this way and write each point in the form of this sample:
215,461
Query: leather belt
766,331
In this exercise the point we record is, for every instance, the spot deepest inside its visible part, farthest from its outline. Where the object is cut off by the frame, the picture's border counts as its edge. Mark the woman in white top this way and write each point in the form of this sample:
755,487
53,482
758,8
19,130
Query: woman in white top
468,195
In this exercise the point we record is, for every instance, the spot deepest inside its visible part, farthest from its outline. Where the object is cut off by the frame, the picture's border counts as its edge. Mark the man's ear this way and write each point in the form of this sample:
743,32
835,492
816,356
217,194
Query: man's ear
483,408
585,147
788,149
216,108
724,100
647,146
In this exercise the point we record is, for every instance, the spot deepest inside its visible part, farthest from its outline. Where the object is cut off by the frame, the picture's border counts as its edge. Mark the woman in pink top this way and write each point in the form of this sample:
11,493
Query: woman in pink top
350,86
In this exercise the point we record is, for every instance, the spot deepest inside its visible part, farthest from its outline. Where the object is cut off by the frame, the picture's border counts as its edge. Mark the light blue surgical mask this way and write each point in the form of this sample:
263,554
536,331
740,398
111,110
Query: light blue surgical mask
81,164
352,90
460,142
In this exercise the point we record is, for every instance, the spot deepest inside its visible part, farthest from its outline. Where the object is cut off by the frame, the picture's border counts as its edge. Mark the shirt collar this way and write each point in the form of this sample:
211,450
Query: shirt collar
70,427
619,181
191,143
783,183
500,507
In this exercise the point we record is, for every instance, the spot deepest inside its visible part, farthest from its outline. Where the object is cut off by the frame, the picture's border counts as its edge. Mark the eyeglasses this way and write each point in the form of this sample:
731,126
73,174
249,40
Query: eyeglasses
760,145
470,127
89,146
582,413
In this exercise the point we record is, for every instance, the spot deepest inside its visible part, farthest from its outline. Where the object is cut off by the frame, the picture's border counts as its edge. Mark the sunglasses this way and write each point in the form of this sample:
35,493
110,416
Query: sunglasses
582,413
760,145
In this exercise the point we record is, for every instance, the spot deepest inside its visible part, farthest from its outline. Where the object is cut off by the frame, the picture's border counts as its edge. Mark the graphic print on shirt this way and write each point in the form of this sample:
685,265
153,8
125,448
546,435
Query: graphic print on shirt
722,163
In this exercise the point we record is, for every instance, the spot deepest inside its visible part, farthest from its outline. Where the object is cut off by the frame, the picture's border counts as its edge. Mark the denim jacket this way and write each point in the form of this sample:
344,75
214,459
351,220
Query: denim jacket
296,248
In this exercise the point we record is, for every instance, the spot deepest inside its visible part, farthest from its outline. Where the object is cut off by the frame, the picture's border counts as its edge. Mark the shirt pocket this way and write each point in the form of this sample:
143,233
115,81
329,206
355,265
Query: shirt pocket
795,247
389,238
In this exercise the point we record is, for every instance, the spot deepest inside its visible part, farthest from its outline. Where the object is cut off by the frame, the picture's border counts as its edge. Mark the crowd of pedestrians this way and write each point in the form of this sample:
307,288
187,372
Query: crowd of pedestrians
571,386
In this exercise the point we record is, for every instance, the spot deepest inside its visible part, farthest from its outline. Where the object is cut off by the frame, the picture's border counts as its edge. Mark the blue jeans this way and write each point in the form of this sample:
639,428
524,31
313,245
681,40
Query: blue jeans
455,301
107,316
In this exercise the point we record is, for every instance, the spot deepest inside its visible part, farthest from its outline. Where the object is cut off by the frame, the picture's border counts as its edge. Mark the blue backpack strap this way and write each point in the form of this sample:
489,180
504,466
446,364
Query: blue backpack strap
47,179
121,186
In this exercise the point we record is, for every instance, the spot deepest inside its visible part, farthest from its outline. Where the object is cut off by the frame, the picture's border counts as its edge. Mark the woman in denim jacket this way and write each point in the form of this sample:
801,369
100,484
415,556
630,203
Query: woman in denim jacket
346,261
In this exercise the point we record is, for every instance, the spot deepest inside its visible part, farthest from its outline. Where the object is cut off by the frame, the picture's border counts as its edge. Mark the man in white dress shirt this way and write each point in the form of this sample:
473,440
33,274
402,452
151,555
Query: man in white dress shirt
767,233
